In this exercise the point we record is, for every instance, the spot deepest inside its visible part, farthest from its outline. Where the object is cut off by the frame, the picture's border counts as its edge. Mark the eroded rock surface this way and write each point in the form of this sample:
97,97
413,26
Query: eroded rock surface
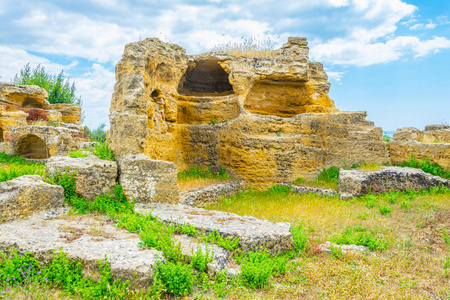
356,183
93,176
147,180
26,195
254,234
432,143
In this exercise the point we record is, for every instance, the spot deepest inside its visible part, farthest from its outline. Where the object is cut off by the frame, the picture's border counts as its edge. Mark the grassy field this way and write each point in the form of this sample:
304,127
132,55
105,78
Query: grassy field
414,265
408,235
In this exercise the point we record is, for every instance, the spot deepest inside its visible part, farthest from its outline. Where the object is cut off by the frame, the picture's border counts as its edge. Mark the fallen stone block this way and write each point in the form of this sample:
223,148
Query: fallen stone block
254,234
83,238
26,195
147,180
356,183
210,194
93,176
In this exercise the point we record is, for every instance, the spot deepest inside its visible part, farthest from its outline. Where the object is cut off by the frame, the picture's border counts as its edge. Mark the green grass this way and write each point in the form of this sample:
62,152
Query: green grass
77,153
202,173
328,178
15,166
426,166
101,150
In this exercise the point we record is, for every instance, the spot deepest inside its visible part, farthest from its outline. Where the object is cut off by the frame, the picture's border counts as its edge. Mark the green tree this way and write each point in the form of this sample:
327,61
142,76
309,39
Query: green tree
58,87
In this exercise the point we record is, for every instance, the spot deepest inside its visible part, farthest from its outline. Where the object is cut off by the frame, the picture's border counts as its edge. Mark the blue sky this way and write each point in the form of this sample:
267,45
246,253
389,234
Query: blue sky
390,58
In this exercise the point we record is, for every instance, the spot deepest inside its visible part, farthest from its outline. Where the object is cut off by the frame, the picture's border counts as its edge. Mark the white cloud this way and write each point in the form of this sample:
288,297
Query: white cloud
419,26
12,60
95,88
337,76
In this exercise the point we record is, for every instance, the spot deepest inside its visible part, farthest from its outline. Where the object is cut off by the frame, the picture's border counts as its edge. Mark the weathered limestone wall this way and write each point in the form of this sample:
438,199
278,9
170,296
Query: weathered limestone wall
32,127
267,119
433,142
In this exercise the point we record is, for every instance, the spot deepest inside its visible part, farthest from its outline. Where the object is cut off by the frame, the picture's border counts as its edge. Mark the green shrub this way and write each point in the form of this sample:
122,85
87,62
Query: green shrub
175,278
258,267
58,88
77,153
384,210
426,166
300,237
15,270
330,175
201,258
361,236
67,181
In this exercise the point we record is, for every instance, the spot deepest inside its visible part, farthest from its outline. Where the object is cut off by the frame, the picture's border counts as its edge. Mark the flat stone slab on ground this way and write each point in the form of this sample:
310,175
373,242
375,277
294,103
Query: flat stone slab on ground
356,183
84,238
254,234
210,194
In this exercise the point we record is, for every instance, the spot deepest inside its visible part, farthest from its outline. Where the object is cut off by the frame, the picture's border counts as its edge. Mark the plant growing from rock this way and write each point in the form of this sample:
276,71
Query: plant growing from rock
175,278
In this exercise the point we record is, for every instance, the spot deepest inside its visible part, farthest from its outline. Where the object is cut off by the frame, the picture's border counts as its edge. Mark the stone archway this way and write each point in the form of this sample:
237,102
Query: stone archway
32,146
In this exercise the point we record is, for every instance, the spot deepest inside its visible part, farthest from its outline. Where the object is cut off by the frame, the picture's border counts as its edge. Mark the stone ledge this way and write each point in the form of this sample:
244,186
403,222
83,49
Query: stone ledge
254,234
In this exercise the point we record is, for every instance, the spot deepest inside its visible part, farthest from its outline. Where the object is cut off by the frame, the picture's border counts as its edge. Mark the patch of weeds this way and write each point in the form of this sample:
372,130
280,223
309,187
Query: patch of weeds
280,189
77,153
371,200
336,252
300,237
227,243
175,278
17,170
361,236
220,284
405,204
329,176
363,216
198,172
258,267
426,166
365,166
384,210
445,234
213,121
298,181
386,139
392,196
446,266
201,258
101,150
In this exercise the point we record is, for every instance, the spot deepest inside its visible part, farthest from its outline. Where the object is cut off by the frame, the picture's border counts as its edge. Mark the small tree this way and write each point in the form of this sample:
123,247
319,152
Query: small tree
58,88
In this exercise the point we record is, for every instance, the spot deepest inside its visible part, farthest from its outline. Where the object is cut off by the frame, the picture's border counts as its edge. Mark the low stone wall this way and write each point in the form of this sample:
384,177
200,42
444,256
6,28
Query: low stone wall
313,190
210,194
356,183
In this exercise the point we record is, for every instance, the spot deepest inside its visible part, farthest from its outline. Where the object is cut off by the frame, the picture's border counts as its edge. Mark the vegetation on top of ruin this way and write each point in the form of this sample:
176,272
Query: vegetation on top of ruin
58,87
328,178
249,47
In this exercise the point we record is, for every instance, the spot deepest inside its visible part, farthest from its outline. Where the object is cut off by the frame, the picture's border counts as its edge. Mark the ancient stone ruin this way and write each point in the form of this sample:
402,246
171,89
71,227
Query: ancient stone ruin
267,119
31,127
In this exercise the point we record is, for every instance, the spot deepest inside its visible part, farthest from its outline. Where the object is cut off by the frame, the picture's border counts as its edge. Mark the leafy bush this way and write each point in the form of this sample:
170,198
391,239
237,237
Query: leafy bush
175,278
426,166
330,175
361,236
300,237
384,210
58,88
202,258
